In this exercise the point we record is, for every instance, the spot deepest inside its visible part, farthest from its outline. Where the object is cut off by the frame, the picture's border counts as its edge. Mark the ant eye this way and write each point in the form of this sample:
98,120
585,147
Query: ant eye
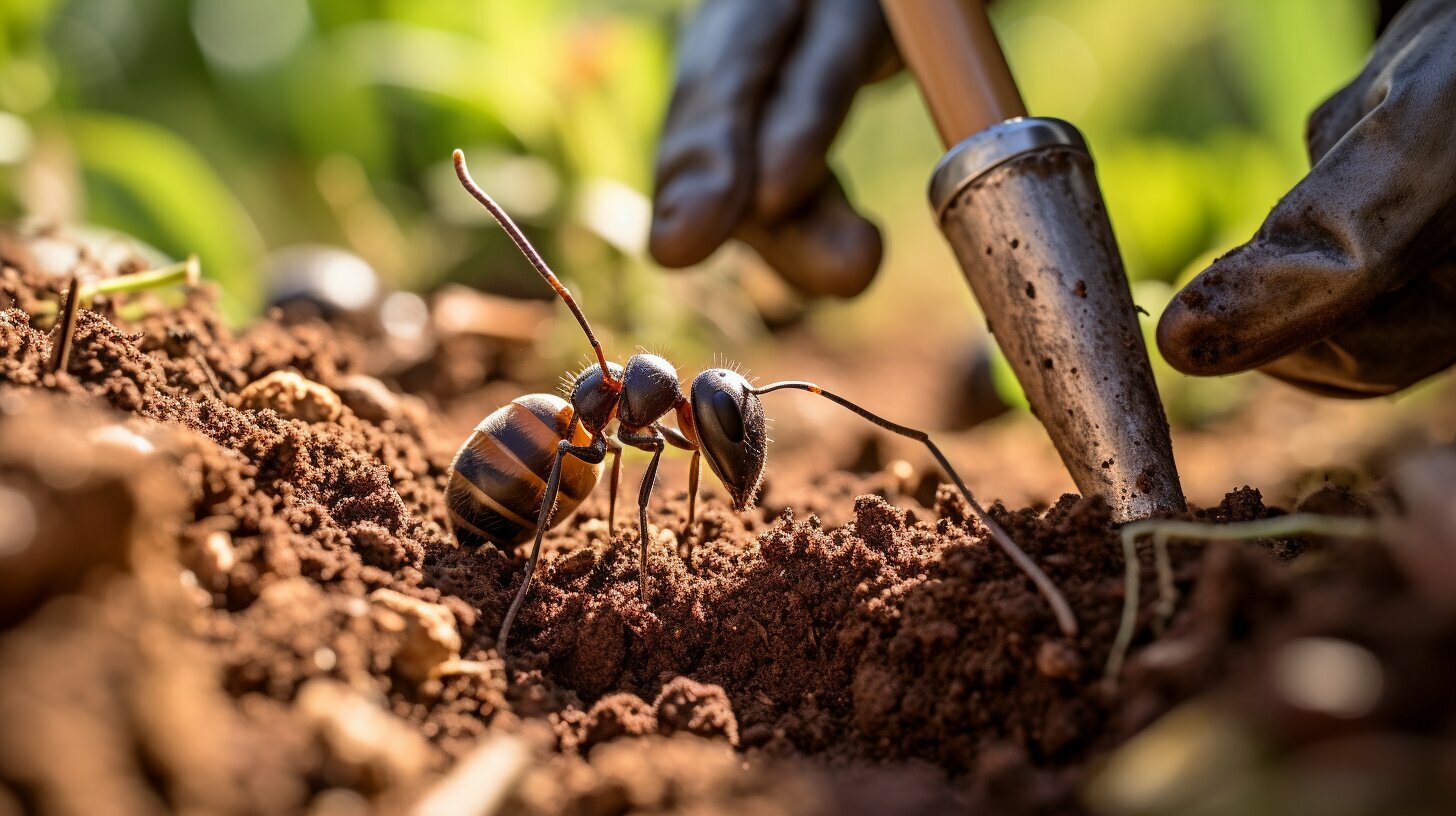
725,408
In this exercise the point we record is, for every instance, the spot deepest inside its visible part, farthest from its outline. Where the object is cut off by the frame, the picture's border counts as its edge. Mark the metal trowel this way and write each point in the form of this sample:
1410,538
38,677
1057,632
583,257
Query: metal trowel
1017,198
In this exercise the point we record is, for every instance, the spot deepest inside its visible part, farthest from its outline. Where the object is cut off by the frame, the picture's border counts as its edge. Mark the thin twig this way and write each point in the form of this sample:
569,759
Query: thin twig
1165,530
201,359
61,351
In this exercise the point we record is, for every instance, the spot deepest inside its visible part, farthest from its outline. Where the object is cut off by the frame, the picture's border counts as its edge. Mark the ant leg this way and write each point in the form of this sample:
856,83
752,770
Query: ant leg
675,438
688,534
652,441
1065,619
615,448
591,454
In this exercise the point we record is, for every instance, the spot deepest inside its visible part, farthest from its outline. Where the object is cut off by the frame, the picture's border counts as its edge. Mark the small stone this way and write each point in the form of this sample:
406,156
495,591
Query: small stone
369,399
903,474
1058,661
485,669
325,659
212,560
427,634
293,397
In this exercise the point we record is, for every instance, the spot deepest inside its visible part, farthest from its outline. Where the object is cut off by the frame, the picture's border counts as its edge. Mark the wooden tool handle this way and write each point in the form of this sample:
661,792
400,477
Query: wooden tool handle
951,49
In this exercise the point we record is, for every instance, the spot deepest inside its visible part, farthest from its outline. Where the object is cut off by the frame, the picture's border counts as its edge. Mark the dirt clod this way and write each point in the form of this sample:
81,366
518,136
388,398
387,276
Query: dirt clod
697,708
618,715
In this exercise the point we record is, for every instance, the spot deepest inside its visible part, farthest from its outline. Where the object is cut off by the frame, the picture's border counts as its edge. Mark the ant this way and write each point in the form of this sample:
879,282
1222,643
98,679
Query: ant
540,456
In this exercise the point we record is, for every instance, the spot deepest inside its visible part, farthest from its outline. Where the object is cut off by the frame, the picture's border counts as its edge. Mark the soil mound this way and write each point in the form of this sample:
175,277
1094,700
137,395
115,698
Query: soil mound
213,604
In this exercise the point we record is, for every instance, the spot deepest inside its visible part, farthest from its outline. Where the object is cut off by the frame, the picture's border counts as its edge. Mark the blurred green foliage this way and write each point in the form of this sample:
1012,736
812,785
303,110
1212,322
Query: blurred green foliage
230,127
1195,112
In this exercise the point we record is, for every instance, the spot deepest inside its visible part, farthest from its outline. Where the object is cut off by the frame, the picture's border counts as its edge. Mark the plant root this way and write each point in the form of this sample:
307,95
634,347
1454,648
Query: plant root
1163,531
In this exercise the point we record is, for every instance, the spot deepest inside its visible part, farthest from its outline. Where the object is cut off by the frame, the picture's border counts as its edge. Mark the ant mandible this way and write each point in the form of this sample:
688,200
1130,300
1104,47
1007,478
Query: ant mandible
540,456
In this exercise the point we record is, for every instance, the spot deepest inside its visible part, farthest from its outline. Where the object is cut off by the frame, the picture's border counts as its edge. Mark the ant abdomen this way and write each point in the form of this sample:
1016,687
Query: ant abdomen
498,478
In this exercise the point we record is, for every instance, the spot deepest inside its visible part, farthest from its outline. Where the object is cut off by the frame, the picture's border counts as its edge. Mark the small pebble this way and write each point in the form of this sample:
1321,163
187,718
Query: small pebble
1058,661
325,659
904,475
293,397
213,560
428,637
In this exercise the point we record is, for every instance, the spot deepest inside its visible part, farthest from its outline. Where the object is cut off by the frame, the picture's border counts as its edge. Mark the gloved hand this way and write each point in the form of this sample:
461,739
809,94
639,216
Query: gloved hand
1349,287
763,87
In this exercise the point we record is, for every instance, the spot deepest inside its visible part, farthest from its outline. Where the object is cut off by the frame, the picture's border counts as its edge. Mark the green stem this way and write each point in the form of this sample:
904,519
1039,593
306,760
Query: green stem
1165,530
187,272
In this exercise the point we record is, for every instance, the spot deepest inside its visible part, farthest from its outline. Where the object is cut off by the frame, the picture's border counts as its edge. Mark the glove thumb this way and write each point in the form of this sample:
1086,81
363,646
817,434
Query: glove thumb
1377,209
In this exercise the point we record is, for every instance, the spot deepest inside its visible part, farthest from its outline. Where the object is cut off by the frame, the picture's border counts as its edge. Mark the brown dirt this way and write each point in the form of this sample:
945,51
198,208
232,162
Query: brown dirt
193,620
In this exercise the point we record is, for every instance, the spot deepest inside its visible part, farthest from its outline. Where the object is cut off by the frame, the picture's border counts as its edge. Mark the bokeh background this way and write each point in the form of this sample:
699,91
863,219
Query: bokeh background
237,128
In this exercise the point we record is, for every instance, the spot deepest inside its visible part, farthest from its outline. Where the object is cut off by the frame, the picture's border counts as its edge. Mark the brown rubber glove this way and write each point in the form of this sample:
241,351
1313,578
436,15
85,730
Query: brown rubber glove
1349,287
763,87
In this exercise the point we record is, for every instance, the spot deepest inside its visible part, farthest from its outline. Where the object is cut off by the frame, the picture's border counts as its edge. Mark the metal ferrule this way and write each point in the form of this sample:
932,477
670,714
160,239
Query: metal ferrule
1020,205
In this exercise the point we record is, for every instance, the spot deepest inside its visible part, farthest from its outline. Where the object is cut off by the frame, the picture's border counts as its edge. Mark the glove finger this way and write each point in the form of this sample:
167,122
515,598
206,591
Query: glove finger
844,44
728,58
1378,207
1407,336
824,248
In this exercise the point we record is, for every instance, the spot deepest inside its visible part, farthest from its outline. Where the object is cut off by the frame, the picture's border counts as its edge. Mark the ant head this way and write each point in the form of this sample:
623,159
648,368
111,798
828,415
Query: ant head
730,429
649,390
594,397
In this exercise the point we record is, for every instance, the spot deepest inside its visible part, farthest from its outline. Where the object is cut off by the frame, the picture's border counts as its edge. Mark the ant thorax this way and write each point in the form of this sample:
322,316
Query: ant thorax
650,389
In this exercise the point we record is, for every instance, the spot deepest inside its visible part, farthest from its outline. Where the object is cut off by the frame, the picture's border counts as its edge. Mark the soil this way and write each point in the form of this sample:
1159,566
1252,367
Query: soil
215,608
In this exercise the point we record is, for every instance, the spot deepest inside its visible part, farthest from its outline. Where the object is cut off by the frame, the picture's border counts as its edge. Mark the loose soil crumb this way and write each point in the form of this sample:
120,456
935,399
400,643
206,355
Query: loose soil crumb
255,575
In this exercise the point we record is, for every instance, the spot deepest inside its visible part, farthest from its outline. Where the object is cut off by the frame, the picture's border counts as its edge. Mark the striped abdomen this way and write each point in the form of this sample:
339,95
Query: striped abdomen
498,478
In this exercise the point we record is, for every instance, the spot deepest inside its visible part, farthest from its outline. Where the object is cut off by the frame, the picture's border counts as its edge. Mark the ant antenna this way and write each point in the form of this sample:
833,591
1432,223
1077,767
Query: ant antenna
1065,619
534,257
